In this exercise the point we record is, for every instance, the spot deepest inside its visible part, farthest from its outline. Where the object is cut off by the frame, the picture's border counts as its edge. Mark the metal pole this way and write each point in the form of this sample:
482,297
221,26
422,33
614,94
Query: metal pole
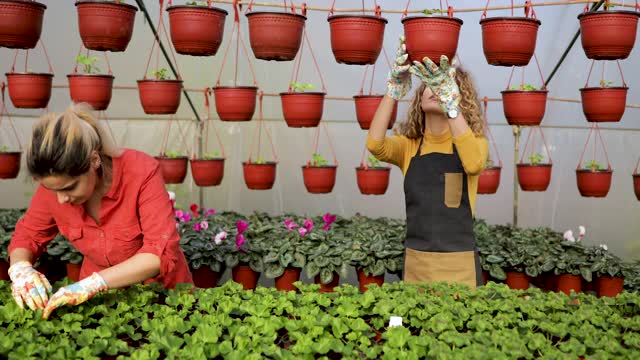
516,156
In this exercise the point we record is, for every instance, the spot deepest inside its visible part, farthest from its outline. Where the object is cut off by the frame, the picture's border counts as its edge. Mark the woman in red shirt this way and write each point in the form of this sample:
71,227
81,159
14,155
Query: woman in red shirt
110,203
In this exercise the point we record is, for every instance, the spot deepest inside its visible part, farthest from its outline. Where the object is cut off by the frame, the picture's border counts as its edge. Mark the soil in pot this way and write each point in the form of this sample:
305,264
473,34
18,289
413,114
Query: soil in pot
173,169
10,164
286,280
21,23
105,25
517,280
608,35
160,96
524,108
489,180
207,172
534,177
509,41
356,39
594,183
205,278
275,35
603,104
373,181
94,90
365,280
243,274
302,109
235,103
319,179
259,176
330,286
29,90
431,37
366,106
196,30
610,286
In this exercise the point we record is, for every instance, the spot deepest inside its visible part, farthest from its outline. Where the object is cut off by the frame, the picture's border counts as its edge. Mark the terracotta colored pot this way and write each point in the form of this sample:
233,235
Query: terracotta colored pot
636,185
524,108
302,109
105,26
20,23
509,41
286,280
568,282
610,286
551,281
592,285
366,106
73,271
319,179
10,164
205,278
196,30
365,280
94,90
373,181
431,36
275,35
207,172
608,35
534,177
517,281
243,274
489,180
603,104
174,170
594,183
4,270
29,90
356,39
485,277
259,176
160,96
235,103
330,286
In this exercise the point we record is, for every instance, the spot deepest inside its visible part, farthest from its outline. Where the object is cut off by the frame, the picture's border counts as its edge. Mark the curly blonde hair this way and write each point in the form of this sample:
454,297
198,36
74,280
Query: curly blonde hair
413,127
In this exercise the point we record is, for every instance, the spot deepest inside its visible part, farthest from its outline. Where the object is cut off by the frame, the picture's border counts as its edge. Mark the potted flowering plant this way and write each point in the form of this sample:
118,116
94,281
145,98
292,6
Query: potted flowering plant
105,25
197,28
90,86
524,105
62,248
609,270
572,263
173,165
319,177
9,163
245,256
489,178
372,177
208,170
160,95
283,256
593,179
301,108
534,175
21,23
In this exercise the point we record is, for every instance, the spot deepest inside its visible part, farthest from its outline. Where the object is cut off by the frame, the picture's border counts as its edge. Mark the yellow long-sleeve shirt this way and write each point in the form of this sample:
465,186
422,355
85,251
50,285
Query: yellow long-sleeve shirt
473,151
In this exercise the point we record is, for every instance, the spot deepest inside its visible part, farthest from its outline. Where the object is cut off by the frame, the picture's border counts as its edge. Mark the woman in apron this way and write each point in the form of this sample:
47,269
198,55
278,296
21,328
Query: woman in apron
441,150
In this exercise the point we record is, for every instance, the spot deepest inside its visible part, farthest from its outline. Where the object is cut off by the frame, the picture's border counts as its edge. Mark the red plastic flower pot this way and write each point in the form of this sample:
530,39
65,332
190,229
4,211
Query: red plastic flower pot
243,274
29,90
207,172
174,170
610,286
431,37
196,30
517,281
160,96
608,35
94,90
235,103
594,183
259,176
601,104
302,109
20,23
509,41
9,164
366,106
489,180
356,39
636,185
524,108
373,181
105,25
327,287
275,35
205,278
4,270
319,179
286,280
73,271
568,282
364,280
534,177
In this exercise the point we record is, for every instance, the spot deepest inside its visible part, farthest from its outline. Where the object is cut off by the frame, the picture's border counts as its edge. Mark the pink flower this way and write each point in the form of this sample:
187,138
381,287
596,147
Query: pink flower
290,225
239,242
204,225
241,226
568,235
303,231
219,237
185,217
328,220
308,224
178,213
197,227
210,212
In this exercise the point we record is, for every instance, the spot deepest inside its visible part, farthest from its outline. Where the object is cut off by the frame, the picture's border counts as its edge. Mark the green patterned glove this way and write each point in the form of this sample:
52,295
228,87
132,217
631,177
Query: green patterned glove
441,80
399,81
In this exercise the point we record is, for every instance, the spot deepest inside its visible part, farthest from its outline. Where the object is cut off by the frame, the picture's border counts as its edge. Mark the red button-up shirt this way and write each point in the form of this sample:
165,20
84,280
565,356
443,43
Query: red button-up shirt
136,217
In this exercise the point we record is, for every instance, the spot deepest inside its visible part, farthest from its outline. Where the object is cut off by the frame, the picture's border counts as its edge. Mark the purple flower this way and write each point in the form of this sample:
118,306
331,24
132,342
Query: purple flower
308,224
210,212
186,217
241,226
197,227
290,225
328,220
239,242
303,231
204,225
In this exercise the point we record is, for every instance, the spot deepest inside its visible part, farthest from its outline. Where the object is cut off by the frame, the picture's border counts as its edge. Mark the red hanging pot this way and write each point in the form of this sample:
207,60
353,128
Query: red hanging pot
319,179
20,23
534,177
373,181
160,96
610,286
259,176
327,287
365,280
207,172
366,106
275,36
517,280
636,185
205,278
235,103
356,39
29,90
105,25
509,41
286,280
608,35
431,37
174,169
243,274
73,271
489,180
94,90
302,109
604,104
568,282
594,183
9,164
196,30
524,108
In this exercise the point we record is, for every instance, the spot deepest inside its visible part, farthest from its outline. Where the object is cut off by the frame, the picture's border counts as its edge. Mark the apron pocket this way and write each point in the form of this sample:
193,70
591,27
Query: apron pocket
453,189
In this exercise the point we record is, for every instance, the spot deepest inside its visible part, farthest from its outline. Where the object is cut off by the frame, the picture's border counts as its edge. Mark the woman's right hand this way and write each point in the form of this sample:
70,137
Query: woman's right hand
399,81
29,286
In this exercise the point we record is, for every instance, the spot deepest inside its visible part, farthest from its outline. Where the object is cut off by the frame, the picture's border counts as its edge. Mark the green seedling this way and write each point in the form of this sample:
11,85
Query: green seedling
302,86
87,63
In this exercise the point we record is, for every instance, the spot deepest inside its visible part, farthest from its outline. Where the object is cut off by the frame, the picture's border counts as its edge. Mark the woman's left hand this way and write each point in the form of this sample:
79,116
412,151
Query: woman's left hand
76,293
441,80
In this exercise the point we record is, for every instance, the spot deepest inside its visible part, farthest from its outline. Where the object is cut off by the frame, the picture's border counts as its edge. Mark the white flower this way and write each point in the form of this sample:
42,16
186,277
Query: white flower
604,246
219,237
172,195
582,231
568,235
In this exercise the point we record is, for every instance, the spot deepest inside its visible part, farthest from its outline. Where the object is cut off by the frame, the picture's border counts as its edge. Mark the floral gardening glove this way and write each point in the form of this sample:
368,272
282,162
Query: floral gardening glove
399,81
441,80
29,285
76,293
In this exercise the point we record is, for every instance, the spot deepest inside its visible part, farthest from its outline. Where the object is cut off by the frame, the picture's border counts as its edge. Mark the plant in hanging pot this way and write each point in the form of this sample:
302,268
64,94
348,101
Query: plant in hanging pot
89,86
259,174
9,163
197,28
372,177
609,270
593,179
356,39
534,175
21,23
605,103
524,105
608,35
173,166
275,35
636,185
160,95
319,177
300,108
283,255
366,106
432,35
62,249
489,178
235,103
208,170
245,257
105,25
29,90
